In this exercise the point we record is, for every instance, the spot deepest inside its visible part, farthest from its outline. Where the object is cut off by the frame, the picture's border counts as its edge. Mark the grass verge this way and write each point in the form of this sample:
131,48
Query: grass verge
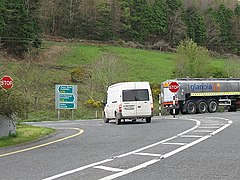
25,133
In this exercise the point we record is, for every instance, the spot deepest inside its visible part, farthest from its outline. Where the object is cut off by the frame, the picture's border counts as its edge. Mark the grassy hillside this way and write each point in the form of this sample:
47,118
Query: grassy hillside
36,77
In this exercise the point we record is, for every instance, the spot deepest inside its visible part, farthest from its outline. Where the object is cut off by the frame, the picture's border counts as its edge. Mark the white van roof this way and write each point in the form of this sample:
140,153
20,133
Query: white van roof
131,85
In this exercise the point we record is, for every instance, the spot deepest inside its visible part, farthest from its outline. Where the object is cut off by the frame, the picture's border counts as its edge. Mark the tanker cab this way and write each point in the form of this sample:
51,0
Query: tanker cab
167,97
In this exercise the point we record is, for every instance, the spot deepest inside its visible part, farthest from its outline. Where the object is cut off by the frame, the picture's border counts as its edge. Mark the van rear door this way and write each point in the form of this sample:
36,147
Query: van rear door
136,103
143,102
129,103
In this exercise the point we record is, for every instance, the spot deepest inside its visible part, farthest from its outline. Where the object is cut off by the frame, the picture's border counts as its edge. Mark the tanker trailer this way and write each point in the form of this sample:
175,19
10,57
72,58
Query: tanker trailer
201,95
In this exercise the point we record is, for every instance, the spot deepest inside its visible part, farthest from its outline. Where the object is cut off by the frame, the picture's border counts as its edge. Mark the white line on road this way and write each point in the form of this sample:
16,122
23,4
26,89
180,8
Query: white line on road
109,168
209,127
123,155
148,154
144,165
178,144
200,131
191,136
78,169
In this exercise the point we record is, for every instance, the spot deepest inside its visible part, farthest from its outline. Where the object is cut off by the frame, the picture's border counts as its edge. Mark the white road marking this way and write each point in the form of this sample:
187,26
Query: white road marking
145,164
78,169
109,168
209,127
148,154
178,144
123,155
200,131
130,170
191,136
206,124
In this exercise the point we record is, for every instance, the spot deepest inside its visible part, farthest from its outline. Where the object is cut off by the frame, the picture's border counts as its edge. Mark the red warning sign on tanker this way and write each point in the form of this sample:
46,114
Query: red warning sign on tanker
173,87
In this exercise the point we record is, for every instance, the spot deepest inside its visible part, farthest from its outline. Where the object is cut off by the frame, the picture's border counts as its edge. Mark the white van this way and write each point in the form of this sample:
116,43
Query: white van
129,100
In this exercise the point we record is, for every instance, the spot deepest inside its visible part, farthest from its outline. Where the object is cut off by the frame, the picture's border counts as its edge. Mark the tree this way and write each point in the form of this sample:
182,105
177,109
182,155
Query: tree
2,11
236,30
176,27
139,14
212,30
223,17
108,69
196,29
192,60
20,32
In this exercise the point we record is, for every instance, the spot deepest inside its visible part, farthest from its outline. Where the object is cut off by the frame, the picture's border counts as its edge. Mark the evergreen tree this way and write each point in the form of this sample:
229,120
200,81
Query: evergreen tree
176,30
223,17
143,19
196,29
236,30
139,14
2,11
20,32
103,22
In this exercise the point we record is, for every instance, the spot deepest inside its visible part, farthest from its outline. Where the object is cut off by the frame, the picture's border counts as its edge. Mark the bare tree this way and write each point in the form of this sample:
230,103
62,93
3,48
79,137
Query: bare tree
108,69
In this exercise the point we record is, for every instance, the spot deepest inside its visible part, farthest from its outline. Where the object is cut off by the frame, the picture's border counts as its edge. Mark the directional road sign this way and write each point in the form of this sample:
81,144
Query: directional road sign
66,97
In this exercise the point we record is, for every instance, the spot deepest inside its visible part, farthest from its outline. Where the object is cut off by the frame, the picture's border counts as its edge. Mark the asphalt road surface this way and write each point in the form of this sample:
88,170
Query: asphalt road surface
187,147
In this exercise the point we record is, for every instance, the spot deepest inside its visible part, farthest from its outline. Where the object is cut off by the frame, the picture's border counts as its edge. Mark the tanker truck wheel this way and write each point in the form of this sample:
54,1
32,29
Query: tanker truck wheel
212,106
202,106
191,107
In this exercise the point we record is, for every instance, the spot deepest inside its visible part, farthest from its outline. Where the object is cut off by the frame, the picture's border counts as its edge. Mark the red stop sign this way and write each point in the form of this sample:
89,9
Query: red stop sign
7,82
173,87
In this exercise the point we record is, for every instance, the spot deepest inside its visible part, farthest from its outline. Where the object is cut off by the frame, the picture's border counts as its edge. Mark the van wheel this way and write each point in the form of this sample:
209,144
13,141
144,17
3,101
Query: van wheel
202,106
106,120
148,119
117,119
212,106
191,107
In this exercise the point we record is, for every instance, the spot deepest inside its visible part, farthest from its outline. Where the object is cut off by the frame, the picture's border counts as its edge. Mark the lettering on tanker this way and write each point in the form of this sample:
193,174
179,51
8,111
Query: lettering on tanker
205,87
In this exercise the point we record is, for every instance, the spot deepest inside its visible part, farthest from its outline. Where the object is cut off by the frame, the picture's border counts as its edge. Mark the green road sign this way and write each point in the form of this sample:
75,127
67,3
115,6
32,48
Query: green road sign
66,105
66,97
65,89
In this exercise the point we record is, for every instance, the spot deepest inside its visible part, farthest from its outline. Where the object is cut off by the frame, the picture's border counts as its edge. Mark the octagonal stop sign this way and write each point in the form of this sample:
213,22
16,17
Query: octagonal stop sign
6,82
173,87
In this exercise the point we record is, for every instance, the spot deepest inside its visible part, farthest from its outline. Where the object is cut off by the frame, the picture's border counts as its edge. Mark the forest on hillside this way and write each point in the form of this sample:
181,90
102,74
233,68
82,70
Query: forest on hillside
156,24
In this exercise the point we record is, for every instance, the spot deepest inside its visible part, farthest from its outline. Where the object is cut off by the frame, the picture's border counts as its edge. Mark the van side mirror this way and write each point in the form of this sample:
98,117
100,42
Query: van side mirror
104,103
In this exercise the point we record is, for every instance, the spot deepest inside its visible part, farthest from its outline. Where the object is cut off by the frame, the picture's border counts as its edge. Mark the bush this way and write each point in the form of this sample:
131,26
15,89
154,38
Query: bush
93,103
10,103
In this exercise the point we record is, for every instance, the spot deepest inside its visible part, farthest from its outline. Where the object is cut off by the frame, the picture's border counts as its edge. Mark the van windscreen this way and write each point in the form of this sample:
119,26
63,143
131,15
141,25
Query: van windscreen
135,95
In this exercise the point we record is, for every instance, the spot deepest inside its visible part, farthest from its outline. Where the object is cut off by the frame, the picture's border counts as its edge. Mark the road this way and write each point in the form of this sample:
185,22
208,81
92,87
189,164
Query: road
187,147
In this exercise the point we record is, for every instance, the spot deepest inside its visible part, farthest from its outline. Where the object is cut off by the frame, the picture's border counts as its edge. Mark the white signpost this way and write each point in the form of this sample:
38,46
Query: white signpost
65,98
174,88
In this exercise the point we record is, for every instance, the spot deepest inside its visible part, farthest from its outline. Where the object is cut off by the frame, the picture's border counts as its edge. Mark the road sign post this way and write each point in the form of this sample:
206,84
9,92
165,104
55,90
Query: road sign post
65,98
174,88
7,82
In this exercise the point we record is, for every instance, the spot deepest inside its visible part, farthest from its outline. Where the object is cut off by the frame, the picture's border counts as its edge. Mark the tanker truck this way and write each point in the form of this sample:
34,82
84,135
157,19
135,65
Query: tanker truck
201,95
